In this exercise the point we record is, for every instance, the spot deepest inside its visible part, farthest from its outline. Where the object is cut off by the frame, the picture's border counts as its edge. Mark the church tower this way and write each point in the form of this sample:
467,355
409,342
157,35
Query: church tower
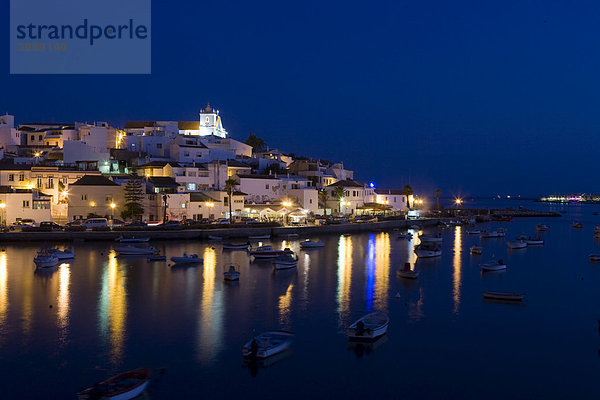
210,123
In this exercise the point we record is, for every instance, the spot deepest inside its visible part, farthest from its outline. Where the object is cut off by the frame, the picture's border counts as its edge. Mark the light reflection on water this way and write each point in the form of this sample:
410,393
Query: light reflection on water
456,265
344,275
210,323
3,289
112,310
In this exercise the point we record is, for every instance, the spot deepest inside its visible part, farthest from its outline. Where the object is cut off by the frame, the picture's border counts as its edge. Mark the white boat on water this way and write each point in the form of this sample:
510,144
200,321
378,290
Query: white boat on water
62,254
542,227
236,246
133,239
259,237
505,296
594,257
535,241
407,273
135,251
493,266
268,344
45,259
231,274
310,244
476,250
407,235
285,261
473,232
427,250
492,234
267,251
125,386
187,259
369,327
517,244
432,238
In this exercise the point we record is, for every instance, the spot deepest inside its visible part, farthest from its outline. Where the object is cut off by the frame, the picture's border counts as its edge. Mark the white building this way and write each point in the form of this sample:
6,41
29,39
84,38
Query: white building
9,136
17,204
210,124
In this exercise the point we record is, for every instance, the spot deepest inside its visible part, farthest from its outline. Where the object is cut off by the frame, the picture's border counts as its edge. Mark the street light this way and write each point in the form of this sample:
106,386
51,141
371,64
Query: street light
112,209
458,202
287,203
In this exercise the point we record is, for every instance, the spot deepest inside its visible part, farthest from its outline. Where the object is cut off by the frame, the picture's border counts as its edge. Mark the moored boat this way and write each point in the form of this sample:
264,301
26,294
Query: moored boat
506,296
535,241
187,259
594,257
432,237
231,274
310,244
133,239
213,237
517,244
285,261
267,251
369,327
268,344
135,251
236,246
476,250
124,386
62,254
492,234
259,237
426,250
577,225
473,232
542,227
493,266
45,259
407,273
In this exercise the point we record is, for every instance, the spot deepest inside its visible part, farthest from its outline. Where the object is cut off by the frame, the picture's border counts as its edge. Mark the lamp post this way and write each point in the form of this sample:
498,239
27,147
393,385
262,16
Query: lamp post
112,209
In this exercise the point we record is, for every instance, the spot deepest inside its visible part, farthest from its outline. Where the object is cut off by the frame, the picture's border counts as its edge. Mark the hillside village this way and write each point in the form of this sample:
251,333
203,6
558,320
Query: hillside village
180,170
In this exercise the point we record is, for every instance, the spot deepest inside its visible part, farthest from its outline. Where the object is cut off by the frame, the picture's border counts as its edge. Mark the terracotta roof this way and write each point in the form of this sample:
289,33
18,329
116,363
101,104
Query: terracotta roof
94,180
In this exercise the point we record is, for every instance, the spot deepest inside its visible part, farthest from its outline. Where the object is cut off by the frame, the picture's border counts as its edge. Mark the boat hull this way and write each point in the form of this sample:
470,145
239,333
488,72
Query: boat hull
503,296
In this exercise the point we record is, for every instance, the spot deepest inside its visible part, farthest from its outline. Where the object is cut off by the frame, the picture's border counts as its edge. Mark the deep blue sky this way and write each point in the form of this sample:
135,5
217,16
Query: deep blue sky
475,97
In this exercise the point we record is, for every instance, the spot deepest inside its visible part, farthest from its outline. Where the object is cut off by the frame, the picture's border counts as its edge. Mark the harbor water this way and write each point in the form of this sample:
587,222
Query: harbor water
99,314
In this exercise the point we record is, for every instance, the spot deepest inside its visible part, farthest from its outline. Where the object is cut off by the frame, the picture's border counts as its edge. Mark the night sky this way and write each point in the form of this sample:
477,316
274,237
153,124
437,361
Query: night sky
476,98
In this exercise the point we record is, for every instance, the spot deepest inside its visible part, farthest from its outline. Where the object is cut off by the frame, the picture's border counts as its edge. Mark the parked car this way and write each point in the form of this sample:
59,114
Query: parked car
22,223
95,223
50,225
74,223
171,223
221,221
137,224
116,222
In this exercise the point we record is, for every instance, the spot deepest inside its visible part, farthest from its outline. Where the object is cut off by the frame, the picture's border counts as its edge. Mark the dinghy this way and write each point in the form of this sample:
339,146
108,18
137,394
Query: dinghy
428,250
506,296
125,386
577,225
268,344
517,244
212,237
285,261
407,273
542,227
594,257
493,266
267,251
476,250
433,237
236,246
535,241
474,232
309,244
45,259
231,274
187,259
369,327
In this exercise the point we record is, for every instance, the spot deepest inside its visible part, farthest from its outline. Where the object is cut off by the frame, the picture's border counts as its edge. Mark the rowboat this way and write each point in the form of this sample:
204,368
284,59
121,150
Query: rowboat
535,242
267,251
506,296
427,250
45,259
493,266
542,227
473,232
125,386
62,254
492,234
434,238
133,239
236,246
212,237
407,273
517,244
268,344
285,261
135,251
594,257
369,327
309,244
231,274
187,259
259,237
476,250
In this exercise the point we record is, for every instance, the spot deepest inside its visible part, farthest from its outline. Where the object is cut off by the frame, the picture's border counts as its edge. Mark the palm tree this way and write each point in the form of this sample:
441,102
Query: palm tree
407,191
323,197
338,193
437,197
230,185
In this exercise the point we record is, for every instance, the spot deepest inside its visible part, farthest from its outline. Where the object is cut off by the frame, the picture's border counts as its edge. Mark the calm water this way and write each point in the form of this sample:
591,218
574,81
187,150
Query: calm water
110,314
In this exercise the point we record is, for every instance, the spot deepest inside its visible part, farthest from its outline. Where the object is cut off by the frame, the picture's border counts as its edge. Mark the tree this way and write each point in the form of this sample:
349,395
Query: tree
323,197
338,193
134,195
407,191
230,185
257,143
437,198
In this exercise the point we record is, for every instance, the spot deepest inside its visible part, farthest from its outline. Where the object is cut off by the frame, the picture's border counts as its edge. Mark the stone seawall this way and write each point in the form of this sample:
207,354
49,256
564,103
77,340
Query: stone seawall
203,234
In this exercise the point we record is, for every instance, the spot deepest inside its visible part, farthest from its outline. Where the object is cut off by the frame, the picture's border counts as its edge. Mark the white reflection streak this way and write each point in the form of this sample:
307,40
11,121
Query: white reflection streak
210,329
3,288
457,265
344,274
64,279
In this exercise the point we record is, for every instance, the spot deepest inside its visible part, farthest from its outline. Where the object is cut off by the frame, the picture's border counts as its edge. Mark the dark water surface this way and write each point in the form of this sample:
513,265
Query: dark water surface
111,314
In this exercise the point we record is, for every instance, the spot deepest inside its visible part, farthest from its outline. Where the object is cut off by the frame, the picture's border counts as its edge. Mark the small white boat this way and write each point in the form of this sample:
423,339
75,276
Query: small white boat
542,227
125,386
433,237
407,235
259,237
285,261
535,241
232,274
62,254
407,273
187,259
212,237
45,259
493,266
505,296
133,239
427,250
267,251
594,257
476,250
492,234
517,244
310,244
473,232
369,327
236,246
135,251
268,344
